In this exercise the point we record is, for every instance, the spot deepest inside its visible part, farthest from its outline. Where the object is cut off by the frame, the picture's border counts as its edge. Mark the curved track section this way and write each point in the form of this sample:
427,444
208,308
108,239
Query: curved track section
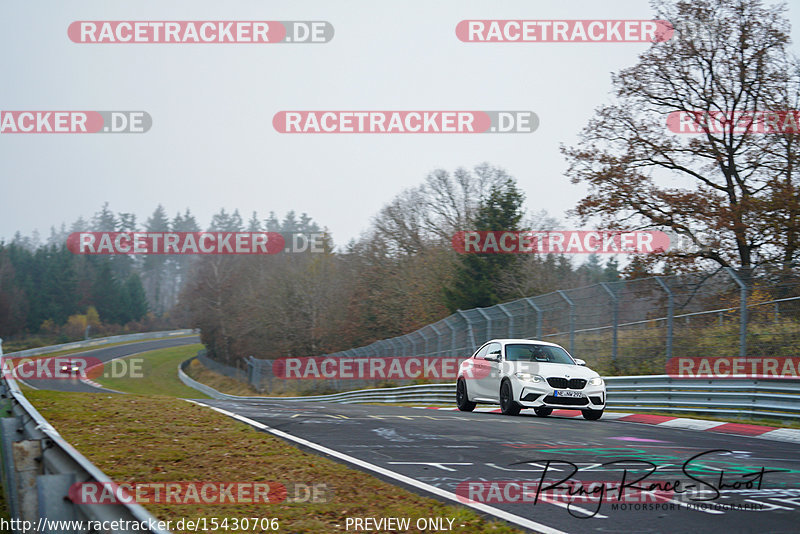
105,355
758,481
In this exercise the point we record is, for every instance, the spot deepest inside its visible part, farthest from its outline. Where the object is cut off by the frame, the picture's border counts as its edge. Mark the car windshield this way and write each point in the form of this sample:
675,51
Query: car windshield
537,353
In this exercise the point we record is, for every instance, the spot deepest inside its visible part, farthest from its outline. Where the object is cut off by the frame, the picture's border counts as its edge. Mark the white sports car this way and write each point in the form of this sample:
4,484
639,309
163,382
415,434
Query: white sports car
520,373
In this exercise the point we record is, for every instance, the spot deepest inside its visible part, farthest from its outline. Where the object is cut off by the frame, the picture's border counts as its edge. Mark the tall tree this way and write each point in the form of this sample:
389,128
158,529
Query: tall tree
154,266
733,194
477,281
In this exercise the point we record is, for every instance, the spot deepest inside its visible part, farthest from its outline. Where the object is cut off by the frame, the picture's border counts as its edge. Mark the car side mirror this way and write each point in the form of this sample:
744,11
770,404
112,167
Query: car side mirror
580,362
493,357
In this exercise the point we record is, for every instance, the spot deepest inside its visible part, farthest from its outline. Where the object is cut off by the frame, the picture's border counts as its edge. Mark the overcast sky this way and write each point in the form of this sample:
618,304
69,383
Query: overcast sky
212,143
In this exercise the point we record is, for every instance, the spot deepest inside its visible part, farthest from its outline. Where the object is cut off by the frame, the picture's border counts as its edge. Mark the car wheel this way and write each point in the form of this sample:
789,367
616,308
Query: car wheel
592,415
507,403
462,399
543,412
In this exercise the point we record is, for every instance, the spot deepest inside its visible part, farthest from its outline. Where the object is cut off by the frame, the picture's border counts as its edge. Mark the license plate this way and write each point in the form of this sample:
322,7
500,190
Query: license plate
559,393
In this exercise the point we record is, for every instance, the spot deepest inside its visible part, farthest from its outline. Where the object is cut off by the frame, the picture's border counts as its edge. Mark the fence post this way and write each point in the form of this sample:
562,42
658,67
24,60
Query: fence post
488,323
742,312
510,321
453,333
536,307
571,320
424,341
438,339
406,344
670,314
615,316
470,333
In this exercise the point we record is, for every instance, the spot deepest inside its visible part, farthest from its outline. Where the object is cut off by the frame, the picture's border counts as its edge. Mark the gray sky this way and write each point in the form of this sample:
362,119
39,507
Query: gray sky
212,143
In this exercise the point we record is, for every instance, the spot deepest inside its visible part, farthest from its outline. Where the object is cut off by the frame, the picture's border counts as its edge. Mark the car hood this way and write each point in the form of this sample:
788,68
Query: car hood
552,369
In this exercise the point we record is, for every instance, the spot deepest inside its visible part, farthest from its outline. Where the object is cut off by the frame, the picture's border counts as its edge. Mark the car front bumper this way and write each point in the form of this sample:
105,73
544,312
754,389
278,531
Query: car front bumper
541,394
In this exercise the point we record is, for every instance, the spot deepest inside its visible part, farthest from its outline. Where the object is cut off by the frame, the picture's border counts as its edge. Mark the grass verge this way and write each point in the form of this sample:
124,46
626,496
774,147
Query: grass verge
220,382
151,373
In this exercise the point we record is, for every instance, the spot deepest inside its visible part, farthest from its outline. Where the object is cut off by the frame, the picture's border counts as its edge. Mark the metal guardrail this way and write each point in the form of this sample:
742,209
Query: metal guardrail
435,393
39,466
777,399
100,342
773,398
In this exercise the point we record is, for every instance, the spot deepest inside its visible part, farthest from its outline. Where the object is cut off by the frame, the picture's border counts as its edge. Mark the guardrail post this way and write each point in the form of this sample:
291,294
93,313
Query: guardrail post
26,454
536,307
615,315
742,311
670,314
571,320
50,491
9,427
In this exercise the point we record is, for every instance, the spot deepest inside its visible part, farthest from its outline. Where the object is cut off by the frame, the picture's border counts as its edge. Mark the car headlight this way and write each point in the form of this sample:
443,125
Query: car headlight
596,381
529,377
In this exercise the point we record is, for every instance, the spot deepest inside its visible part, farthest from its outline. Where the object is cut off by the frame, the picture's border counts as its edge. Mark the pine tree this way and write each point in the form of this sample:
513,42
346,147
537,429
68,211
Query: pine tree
477,275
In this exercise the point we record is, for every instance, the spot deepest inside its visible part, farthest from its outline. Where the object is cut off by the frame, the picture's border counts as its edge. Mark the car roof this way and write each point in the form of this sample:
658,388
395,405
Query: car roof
522,341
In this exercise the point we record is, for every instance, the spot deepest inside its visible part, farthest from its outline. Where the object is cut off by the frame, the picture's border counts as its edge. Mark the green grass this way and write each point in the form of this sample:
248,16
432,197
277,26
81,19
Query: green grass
156,373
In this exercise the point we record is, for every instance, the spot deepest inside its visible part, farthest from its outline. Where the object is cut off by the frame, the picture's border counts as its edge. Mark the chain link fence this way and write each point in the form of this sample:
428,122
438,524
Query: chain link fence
628,327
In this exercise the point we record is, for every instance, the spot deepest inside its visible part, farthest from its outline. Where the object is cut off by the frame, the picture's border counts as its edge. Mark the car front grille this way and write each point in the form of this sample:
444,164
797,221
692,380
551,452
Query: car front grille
563,383
566,401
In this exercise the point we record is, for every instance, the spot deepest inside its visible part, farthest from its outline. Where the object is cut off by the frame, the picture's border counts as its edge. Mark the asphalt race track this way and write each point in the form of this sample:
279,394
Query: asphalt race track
445,448
106,355
431,452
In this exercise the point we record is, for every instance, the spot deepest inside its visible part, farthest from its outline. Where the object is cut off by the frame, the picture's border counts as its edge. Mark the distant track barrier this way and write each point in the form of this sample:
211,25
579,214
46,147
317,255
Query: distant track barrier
38,466
756,398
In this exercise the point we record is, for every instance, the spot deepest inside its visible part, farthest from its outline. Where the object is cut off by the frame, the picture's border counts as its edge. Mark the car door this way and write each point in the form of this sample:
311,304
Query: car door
494,361
480,368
